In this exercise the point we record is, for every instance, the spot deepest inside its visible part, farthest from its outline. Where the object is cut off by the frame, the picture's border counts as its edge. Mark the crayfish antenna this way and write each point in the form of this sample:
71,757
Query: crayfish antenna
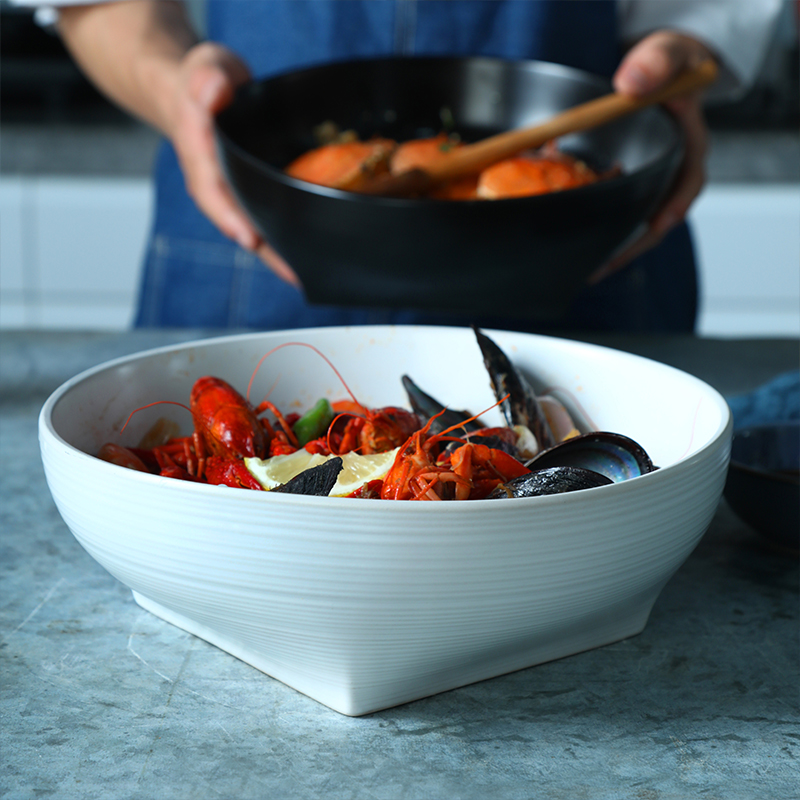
310,347
149,405
471,419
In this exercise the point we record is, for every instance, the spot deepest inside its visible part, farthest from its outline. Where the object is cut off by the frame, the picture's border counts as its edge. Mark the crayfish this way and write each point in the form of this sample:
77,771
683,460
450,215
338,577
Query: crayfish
228,429
442,454
423,470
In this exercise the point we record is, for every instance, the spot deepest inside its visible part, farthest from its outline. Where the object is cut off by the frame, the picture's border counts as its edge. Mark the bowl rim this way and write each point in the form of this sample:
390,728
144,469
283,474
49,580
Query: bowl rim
47,429
768,474
224,141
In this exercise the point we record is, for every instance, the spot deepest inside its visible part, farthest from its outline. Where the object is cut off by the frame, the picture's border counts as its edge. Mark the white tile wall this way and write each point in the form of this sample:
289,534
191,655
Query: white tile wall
70,253
12,271
748,243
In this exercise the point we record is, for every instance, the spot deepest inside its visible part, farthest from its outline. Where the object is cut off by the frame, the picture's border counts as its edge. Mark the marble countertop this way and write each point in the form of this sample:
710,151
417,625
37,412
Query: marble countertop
127,150
102,700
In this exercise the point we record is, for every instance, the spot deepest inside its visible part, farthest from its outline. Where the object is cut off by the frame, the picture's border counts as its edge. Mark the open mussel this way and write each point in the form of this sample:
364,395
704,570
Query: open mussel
561,422
534,423
592,459
616,456
427,407
461,424
518,401
505,439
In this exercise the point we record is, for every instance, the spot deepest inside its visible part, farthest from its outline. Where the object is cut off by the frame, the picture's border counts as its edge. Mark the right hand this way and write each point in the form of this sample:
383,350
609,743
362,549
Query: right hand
207,79
650,64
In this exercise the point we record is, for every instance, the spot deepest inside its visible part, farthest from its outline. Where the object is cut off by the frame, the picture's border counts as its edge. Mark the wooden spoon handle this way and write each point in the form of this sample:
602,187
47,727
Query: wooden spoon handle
472,158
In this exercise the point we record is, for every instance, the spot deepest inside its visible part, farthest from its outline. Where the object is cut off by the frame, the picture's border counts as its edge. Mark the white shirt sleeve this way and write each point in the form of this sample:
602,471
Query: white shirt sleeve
46,11
737,31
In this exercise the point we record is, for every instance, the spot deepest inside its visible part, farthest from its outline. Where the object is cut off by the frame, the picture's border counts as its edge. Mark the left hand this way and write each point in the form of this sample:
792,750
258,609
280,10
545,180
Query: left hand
651,63
206,80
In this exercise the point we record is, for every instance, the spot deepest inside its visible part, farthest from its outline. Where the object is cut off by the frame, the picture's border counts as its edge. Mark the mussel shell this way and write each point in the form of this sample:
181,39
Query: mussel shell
553,480
426,407
520,407
494,442
317,480
611,454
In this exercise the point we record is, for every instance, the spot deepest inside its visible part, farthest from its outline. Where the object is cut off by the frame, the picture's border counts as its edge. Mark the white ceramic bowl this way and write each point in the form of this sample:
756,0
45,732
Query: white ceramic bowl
365,604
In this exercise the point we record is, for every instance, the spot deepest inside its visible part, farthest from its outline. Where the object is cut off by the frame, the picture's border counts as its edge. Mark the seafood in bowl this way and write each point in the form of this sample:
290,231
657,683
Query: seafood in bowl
429,453
363,605
347,163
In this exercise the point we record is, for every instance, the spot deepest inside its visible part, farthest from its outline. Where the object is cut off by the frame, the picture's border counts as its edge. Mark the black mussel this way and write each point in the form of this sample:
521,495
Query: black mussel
553,480
521,406
495,442
611,454
317,480
504,439
426,407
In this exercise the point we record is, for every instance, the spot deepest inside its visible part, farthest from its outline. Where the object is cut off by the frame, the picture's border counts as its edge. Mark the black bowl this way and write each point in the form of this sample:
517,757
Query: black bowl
523,257
763,485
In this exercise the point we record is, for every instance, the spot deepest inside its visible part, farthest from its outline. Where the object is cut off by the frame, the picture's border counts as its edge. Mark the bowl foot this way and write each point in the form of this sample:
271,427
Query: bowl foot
389,686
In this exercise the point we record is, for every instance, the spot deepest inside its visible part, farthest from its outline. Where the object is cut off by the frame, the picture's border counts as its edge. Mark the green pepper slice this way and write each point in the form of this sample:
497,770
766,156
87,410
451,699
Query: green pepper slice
314,423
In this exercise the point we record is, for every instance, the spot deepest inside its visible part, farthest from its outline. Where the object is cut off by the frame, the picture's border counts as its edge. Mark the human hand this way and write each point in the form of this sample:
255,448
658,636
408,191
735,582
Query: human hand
206,81
650,64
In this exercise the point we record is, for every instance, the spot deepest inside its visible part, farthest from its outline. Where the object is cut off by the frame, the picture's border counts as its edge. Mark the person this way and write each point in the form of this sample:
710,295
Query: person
204,263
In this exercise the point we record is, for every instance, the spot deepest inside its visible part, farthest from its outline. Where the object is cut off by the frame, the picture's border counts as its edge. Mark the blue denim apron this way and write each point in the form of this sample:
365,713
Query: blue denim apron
195,277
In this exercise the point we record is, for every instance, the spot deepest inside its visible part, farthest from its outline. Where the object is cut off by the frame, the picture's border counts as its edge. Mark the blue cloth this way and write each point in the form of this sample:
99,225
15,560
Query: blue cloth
778,400
195,277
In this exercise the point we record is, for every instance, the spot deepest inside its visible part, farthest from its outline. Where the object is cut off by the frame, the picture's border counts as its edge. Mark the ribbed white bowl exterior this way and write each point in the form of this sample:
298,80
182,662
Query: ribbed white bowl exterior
363,605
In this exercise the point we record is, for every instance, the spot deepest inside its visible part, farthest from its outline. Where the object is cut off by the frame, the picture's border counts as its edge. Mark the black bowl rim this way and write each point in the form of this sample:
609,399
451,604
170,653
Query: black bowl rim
279,176
749,469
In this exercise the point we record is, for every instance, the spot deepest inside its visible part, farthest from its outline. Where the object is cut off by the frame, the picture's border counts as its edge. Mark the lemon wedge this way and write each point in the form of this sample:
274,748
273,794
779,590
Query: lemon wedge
356,470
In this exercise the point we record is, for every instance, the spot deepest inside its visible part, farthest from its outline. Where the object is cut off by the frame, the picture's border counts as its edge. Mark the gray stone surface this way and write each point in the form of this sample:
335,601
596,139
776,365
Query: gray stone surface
35,149
99,699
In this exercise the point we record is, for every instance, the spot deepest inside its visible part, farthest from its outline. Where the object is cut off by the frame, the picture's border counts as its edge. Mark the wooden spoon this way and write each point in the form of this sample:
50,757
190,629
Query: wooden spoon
473,158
